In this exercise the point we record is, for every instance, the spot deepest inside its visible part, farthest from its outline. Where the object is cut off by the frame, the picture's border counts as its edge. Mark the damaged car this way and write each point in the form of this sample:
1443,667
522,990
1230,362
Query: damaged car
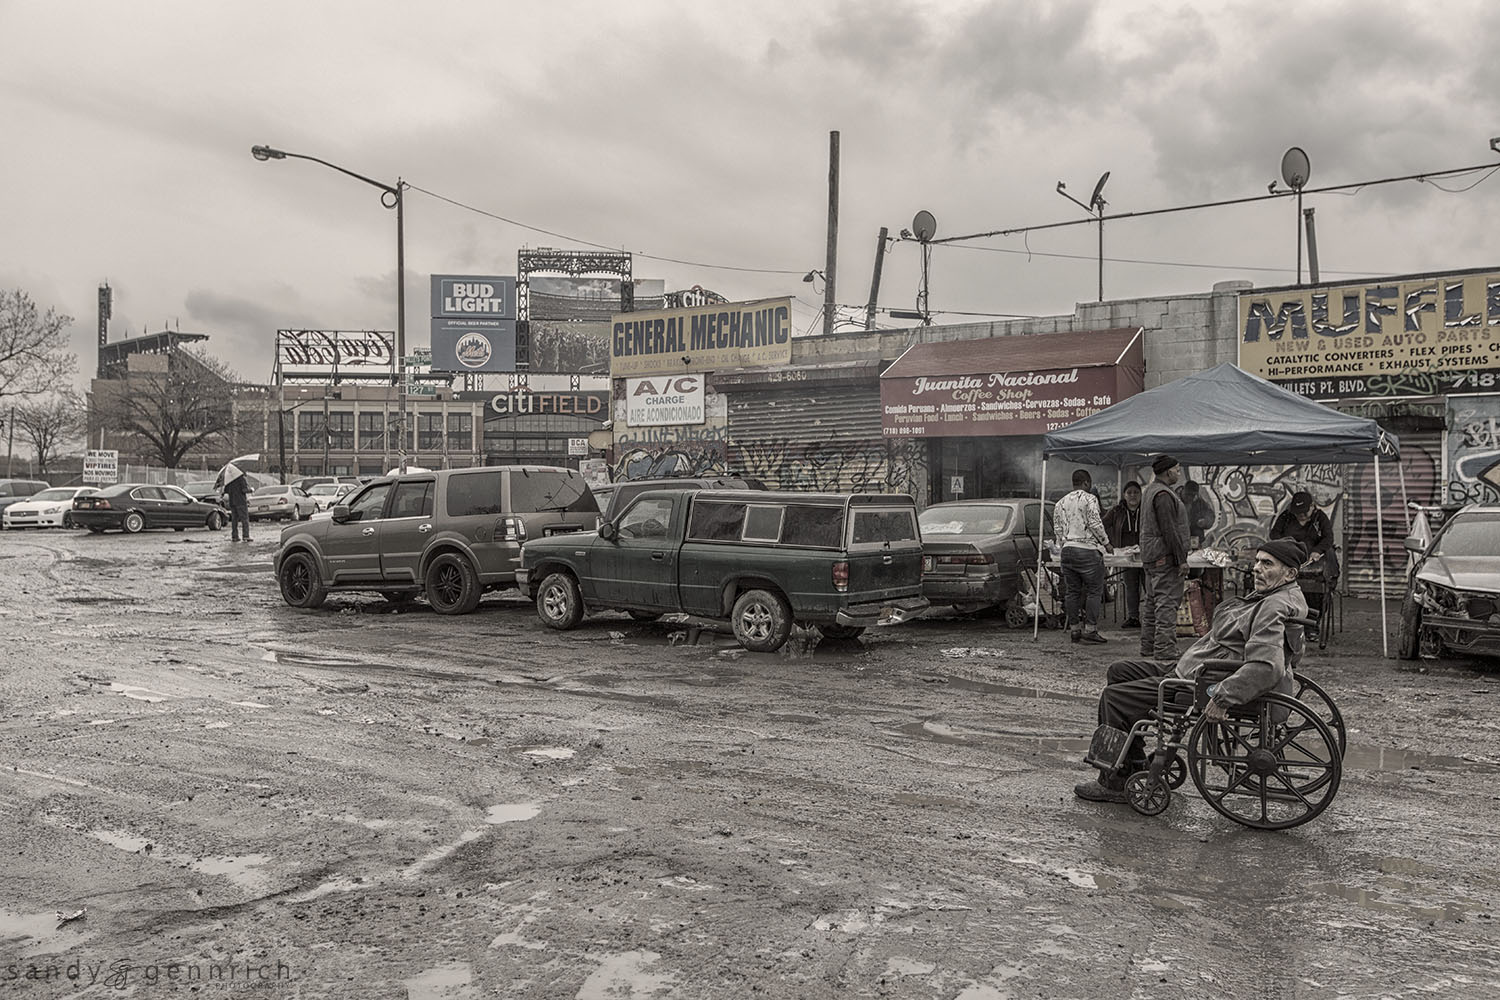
1452,602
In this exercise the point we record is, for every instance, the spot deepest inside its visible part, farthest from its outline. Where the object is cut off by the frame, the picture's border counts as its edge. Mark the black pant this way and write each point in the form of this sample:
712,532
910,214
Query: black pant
1083,575
239,514
1130,696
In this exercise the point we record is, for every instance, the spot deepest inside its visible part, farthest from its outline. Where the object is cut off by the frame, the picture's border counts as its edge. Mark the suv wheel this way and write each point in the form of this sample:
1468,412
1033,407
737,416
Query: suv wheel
841,631
300,585
558,603
761,621
452,585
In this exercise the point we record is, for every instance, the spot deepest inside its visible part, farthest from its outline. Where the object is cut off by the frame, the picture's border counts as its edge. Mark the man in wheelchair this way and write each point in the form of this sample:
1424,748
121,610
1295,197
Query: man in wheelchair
1251,631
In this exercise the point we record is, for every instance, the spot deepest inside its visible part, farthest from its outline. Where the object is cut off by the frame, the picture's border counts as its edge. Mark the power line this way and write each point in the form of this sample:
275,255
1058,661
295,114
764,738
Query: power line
1153,263
598,246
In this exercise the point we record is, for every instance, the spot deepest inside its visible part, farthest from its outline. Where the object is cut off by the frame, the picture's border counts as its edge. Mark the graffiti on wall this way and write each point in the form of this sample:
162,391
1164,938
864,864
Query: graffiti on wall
1246,499
1473,472
836,466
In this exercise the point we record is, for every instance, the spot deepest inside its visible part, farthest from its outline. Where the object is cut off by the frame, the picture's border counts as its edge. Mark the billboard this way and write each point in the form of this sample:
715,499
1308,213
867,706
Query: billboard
473,323
587,299
664,400
727,335
1417,336
336,355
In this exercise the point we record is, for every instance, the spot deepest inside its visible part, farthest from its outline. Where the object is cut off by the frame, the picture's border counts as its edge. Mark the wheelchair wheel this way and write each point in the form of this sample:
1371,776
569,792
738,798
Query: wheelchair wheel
1274,764
1145,796
1174,772
1314,697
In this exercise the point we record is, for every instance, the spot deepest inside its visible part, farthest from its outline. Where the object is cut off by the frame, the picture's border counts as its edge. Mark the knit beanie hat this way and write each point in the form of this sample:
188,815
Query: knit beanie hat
1287,551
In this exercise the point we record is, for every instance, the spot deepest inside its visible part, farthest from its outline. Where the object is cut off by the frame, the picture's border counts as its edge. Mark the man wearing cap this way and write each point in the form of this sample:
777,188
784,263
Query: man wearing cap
1251,630
1306,523
1164,552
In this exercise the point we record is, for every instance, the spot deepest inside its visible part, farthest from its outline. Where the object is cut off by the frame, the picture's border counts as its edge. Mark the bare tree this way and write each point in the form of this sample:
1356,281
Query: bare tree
184,405
33,347
51,423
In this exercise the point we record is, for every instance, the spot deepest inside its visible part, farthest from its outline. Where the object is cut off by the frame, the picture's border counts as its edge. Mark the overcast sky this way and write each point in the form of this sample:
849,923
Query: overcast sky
698,133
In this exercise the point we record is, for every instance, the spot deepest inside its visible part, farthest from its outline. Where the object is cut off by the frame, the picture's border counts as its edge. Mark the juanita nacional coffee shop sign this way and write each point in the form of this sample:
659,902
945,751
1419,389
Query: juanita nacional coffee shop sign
1415,336
979,388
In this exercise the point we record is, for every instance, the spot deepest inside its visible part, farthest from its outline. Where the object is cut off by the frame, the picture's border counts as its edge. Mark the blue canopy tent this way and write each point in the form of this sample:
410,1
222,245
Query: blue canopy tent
1224,416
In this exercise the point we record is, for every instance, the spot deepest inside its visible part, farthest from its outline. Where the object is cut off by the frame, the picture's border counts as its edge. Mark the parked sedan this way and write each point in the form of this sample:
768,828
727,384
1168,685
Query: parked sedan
974,552
281,503
51,508
133,507
325,495
1453,591
207,490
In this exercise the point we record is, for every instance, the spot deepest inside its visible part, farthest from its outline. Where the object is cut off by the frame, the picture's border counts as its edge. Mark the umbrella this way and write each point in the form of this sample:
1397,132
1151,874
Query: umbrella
227,475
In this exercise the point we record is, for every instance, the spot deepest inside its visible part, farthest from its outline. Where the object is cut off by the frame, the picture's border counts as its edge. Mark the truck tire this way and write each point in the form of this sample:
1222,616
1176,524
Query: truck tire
558,603
452,585
761,621
841,631
300,585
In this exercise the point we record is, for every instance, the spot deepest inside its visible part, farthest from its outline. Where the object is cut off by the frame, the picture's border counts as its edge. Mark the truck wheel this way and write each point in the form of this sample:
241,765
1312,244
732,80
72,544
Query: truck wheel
558,602
761,621
841,631
452,585
300,586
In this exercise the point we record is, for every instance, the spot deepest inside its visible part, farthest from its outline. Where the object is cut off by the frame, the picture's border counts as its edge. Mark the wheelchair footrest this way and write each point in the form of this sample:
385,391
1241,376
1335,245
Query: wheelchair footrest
1107,748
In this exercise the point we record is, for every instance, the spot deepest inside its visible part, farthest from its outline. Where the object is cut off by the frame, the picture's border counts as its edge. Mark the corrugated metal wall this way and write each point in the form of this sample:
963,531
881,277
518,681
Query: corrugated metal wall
812,437
1422,465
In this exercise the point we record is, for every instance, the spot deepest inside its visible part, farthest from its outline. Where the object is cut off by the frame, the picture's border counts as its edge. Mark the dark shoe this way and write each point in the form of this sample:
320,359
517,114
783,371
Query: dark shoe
1092,637
1131,623
1103,790
1077,635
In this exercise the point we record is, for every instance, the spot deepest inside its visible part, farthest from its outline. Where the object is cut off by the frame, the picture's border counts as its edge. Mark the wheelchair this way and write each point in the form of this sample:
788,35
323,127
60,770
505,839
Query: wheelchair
1275,763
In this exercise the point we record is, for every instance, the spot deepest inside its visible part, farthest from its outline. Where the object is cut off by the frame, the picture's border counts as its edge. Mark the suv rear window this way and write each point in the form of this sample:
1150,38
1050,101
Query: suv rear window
874,526
475,493
532,491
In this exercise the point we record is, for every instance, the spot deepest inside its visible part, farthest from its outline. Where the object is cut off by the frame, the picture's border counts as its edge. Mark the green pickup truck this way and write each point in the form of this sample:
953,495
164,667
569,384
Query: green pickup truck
761,560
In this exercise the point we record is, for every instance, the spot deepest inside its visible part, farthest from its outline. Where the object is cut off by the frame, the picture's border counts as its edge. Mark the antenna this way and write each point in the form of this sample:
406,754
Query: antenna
1096,200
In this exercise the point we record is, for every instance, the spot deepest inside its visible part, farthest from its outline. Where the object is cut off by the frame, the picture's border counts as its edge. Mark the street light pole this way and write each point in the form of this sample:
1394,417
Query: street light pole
391,197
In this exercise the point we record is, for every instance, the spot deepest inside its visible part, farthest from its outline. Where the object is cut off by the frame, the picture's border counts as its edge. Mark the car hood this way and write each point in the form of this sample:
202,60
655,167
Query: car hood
556,543
1468,573
36,506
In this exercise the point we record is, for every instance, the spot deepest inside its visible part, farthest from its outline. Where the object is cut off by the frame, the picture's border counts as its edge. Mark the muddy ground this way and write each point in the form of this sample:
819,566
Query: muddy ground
363,803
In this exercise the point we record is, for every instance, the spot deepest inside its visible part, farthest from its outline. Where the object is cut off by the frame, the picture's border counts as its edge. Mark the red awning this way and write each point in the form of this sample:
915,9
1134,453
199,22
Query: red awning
1009,385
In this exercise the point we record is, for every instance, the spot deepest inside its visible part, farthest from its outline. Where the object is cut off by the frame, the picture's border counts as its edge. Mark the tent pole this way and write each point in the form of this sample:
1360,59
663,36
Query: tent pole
1385,639
1041,531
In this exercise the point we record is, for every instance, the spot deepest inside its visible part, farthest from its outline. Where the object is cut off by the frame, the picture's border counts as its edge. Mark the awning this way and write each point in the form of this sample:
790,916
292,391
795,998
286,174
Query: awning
1003,386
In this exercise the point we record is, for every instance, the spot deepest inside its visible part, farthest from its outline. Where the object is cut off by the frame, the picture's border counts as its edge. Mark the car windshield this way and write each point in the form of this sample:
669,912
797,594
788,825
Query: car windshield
1475,534
54,495
975,519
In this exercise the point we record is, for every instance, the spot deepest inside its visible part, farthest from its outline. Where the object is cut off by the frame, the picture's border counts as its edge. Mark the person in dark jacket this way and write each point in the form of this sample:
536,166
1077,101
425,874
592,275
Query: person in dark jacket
237,489
1122,523
1164,553
1303,521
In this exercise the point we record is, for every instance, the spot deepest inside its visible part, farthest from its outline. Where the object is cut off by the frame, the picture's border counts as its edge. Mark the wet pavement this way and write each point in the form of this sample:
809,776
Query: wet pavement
222,793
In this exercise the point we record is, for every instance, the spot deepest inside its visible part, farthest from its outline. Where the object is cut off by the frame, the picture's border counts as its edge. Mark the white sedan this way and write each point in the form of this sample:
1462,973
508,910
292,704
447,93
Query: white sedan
48,509
326,495
281,503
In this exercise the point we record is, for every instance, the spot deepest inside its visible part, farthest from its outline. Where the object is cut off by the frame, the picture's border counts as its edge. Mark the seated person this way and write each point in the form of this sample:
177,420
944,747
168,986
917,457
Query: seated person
1303,521
1251,631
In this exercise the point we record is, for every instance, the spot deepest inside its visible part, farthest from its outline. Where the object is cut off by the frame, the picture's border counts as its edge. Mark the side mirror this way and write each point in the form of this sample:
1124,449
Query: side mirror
340,513
1415,545
608,531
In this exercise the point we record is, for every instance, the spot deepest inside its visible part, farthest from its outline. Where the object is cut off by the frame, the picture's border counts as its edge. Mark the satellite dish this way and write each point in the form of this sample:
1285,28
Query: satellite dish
1295,168
1095,199
924,226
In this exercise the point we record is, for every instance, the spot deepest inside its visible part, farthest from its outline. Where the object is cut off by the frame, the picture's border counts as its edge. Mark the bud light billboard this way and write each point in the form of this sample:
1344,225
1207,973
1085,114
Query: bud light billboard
473,323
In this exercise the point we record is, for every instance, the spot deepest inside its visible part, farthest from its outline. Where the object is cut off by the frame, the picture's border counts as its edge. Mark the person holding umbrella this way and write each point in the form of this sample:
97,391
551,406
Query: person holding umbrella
236,486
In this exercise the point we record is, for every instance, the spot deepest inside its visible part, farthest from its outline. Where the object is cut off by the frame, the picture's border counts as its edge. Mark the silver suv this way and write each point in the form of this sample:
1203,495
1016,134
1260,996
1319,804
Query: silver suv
450,535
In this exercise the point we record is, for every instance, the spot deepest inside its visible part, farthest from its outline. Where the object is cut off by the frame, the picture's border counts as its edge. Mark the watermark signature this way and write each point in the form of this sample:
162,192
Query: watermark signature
120,973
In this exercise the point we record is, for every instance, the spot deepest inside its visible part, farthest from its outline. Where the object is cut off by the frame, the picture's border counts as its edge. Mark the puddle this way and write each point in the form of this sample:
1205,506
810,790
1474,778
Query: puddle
1375,899
899,966
237,870
1383,759
934,731
984,687
625,975
449,981
123,841
138,693
512,812
38,933
551,753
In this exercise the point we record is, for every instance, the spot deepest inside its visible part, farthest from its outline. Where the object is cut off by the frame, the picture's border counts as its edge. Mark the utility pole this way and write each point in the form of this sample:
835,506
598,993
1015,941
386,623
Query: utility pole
875,280
1312,245
10,430
830,269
